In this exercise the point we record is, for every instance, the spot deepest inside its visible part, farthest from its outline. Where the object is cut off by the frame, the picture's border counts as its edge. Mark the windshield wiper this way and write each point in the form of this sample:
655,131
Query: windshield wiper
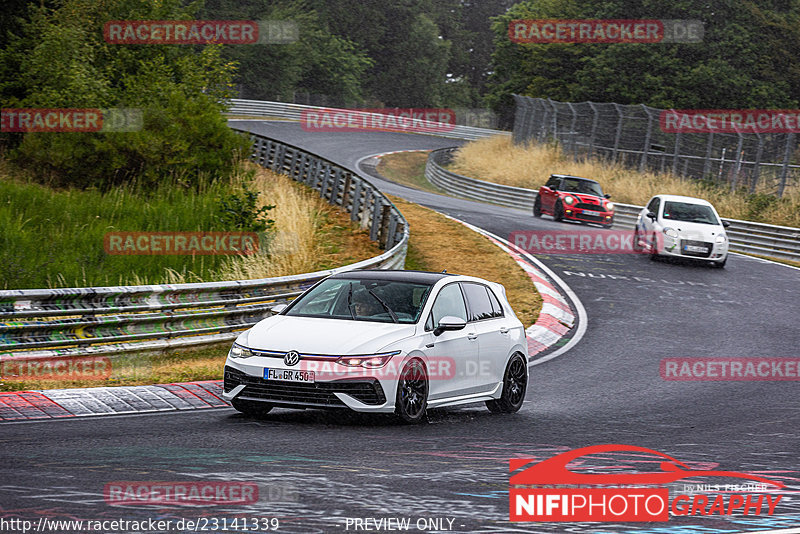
350,301
394,316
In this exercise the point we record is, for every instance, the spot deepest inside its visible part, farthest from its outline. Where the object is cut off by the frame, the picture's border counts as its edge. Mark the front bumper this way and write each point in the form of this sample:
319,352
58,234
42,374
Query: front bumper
362,394
677,248
600,217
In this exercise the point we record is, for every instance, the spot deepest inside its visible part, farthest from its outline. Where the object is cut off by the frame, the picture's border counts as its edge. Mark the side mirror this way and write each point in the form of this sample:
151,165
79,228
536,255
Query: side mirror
449,323
278,308
607,196
725,224
651,215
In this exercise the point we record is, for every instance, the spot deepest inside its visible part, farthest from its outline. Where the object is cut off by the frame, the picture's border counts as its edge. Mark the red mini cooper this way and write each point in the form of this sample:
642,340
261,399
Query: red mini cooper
575,199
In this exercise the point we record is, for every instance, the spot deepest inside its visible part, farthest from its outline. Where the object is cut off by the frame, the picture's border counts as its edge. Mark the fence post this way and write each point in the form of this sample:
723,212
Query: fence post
757,165
520,120
572,133
542,134
738,161
530,131
647,137
555,118
707,164
618,134
676,153
595,117
786,158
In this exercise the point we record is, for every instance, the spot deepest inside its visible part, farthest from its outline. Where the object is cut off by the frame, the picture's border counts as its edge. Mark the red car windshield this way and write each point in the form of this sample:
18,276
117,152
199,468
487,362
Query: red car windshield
584,187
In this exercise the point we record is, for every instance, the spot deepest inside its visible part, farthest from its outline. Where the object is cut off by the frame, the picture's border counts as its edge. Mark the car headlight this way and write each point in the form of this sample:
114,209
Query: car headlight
569,199
368,361
720,239
238,351
609,206
671,233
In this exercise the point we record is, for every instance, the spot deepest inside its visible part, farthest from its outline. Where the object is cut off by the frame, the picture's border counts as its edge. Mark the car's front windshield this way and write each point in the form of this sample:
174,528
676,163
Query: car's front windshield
688,212
386,301
582,186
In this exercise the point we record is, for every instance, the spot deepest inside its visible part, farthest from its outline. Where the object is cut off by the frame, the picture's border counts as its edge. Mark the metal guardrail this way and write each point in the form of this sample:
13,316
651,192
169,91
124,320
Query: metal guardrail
781,242
294,112
36,323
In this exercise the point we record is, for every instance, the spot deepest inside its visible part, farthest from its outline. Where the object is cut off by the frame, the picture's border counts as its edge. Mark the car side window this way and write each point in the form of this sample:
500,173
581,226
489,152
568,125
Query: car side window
497,309
552,183
449,302
480,307
653,205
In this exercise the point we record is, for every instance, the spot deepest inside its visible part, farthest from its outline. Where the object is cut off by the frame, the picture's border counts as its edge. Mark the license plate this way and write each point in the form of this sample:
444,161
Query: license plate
590,212
693,248
289,375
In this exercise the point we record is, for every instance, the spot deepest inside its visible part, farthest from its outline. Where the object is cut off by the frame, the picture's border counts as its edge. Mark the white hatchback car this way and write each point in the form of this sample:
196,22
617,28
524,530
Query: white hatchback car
685,227
383,341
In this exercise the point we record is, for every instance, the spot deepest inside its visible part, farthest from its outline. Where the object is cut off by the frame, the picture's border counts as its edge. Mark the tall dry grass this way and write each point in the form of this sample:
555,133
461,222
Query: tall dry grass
497,159
294,245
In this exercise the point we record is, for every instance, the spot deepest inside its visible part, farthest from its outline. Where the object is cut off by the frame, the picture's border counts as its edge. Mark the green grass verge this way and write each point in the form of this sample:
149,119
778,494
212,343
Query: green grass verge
407,168
54,238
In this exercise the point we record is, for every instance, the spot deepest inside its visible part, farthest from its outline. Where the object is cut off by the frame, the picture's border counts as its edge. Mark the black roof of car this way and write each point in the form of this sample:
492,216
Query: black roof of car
423,277
574,177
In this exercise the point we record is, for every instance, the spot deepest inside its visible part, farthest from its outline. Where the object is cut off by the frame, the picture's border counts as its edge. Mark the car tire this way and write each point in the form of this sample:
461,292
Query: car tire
411,401
537,207
251,407
558,211
654,250
515,384
721,264
636,246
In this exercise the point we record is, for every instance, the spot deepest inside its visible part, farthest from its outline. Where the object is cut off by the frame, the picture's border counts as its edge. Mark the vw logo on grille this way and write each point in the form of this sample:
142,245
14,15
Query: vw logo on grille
291,358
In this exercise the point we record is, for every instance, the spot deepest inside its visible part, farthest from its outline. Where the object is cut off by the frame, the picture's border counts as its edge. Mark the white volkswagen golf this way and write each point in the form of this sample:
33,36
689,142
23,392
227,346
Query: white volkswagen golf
383,341
679,226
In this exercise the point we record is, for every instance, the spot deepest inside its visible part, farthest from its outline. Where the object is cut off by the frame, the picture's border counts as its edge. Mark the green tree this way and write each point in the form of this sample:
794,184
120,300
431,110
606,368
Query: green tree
60,60
749,57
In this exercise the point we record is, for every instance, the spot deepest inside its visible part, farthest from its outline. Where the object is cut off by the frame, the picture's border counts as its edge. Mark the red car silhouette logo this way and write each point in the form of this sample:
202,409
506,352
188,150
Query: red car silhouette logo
554,470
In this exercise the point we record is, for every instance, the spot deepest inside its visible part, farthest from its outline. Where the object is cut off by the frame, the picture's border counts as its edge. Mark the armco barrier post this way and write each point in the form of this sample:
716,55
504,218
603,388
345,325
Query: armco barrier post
377,205
354,214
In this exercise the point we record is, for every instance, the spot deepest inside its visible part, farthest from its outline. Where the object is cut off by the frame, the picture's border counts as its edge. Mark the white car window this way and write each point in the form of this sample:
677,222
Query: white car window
480,307
449,302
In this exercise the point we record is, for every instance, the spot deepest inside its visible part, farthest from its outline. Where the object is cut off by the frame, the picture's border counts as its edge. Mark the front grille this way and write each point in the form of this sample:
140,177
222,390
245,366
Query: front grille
593,218
708,248
585,206
320,394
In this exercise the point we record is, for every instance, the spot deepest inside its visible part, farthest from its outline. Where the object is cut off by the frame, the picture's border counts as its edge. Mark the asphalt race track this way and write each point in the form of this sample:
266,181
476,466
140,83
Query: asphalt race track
318,472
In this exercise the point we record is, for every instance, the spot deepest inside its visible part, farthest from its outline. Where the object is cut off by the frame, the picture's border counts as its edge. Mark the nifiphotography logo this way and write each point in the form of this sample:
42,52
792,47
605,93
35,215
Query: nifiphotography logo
538,492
